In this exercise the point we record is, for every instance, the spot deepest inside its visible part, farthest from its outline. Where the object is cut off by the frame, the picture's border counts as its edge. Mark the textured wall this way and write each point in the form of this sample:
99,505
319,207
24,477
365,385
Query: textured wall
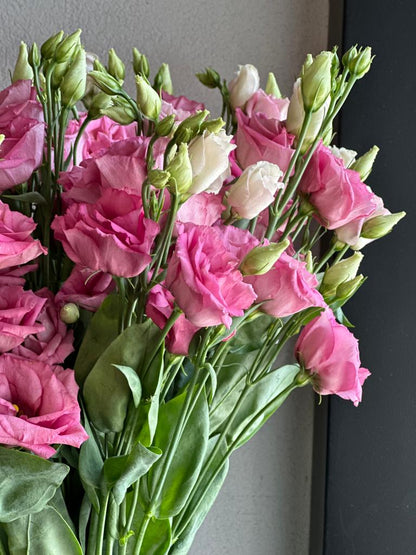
264,506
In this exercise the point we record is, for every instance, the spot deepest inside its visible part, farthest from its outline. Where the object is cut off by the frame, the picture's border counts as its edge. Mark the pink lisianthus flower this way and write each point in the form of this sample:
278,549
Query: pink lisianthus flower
54,343
201,209
204,279
336,192
160,304
329,351
287,288
86,288
17,246
261,134
99,135
38,406
14,275
181,106
112,235
19,312
21,123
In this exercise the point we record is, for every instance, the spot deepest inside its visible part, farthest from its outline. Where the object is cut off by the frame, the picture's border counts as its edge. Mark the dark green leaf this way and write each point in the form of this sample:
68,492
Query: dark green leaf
133,381
90,467
31,197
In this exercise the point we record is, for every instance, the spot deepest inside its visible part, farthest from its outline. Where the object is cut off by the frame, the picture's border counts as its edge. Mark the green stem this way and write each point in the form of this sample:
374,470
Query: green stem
142,533
101,525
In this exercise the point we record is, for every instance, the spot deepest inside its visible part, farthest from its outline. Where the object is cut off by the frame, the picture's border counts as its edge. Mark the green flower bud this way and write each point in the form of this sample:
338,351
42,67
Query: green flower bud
261,259
213,126
115,66
346,290
119,111
69,313
148,101
364,164
34,55
190,127
309,262
163,80
339,273
349,56
140,64
164,127
306,208
272,87
98,66
105,81
158,178
22,69
180,170
58,73
100,102
210,78
377,227
74,81
361,64
307,63
48,48
66,49
316,82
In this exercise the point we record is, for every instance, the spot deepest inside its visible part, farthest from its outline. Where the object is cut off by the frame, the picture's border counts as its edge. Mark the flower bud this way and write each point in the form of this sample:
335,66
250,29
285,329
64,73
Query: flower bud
272,87
98,104
309,262
346,290
105,81
307,63
98,66
148,101
339,273
361,64
22,69
364,164
262,258
69,313
377,227
213,126
244,85
316,82
190,127
115,66
140,64
165,126
58,73
158,178
163,80
67,48
349,56
34,55
180,170
74,81
119,111
345,154
210,78
48,48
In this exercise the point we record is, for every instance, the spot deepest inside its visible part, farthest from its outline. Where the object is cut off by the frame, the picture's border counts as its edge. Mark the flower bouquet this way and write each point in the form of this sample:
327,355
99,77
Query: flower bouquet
154,262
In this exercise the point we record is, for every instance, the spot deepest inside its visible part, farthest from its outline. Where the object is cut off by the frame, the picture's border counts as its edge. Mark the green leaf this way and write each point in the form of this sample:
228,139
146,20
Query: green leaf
45,532
133,381
84,516
31,197
121,472
27,483
149,408
90,466
188,457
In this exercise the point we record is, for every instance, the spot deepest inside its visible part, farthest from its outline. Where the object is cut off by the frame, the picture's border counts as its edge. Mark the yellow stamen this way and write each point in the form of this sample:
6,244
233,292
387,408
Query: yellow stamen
16,407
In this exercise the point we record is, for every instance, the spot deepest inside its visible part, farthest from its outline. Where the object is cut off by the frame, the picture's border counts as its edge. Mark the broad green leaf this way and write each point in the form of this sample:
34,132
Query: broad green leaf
27,483
149,408
42,533
90,467
33,197
121,472
133,381
84,516
188,457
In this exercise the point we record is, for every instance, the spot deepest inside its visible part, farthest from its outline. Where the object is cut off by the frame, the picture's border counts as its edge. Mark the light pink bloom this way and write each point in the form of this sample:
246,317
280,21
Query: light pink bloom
54,343
38,406
336,192
181,106
19,311
204,278
86,288
329,351
17,246
201,209
21,122
112,235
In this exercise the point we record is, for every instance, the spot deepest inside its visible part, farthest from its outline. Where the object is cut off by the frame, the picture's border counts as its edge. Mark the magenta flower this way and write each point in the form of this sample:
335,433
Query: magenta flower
38,406
85,288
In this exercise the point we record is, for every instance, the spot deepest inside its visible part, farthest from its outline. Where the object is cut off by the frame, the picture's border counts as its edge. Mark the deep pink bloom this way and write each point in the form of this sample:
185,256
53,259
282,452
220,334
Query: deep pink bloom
38,406
17,246
336,192
329,351
19,311
112,235
181,106
86,288
203,277
21,122
54,343
159,308
287,288
14,275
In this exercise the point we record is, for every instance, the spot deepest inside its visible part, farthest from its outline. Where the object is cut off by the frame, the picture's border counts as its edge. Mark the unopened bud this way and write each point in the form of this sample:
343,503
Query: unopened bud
244,85
349,56
339,273
190,127
67,47
58,73
120,111
98,66
210,78
164,127
74,81
364,164
272,87
158,178
48,48
69,313
100,102
346,290
180,170
105,81
306,208
377,227
34,55
140,64
115,66
148,101
316,82
163,80
262,258
213,126
361,64
306,64
309,262
22,69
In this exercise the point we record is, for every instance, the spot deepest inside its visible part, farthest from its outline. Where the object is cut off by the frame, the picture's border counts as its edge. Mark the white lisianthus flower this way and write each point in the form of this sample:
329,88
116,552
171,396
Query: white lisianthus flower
208,154
244,85
345,154
254,190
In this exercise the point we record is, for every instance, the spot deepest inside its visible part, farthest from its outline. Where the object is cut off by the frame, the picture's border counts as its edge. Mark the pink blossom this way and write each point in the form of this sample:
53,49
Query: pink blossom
14,275
112,235
181,106
16,244
336,192
21,122
86,288
19,311
329,351
54,343
38,406
203,277
201,209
